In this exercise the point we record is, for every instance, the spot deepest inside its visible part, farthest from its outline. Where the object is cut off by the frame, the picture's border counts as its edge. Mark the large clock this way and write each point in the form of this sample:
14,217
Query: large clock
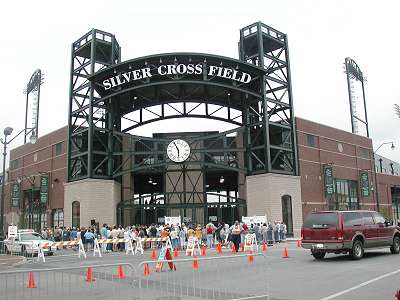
178,151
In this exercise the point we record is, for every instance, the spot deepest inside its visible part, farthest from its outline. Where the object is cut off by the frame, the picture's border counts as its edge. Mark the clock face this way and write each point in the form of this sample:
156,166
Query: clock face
178,150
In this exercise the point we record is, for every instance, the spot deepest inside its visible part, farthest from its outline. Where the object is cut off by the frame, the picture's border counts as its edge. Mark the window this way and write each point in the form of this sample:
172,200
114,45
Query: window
287,213
59,148
58,218
43,220
311,140
14,164
367,218
76,214
35,157
346,195
364,153
321,220
352,218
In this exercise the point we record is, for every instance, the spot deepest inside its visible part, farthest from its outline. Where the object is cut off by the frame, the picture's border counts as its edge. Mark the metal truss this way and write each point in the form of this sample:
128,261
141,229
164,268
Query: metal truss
271,136
353,72
223,151
90,121
100,121
177,109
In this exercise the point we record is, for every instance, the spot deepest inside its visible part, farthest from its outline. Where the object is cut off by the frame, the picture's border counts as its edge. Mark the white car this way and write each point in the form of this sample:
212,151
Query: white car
27,243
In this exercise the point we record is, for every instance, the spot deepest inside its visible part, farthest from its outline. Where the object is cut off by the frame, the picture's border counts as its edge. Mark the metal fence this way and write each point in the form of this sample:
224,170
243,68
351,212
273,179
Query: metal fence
26,251
105,281
240,276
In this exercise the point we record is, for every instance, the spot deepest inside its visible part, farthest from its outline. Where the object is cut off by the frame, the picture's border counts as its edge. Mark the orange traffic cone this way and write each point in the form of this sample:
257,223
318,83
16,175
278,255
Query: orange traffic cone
146,271
195,263
176,252
251,257
31,281
153,254
285,253
242,247
298,243
120,273
264,247
203,251
219,248
233,248
89,275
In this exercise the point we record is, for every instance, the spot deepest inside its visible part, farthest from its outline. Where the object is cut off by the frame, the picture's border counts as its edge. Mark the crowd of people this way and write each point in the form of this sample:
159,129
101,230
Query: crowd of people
210,234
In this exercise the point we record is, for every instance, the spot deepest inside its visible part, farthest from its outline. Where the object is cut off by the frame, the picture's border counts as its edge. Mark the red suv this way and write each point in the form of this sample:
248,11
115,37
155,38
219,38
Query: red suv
348,232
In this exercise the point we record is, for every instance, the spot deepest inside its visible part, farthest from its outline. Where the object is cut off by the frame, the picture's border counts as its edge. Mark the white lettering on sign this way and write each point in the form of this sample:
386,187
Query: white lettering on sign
180,69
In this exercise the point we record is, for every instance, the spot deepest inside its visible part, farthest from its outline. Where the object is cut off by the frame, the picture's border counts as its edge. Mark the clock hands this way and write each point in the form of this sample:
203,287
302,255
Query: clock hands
176,148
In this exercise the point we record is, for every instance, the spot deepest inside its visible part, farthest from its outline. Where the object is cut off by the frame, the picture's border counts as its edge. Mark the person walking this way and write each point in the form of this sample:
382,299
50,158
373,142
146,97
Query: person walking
210,237
235,236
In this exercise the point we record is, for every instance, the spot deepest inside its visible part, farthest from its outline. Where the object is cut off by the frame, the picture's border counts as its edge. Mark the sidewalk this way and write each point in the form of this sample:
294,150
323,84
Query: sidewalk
7,261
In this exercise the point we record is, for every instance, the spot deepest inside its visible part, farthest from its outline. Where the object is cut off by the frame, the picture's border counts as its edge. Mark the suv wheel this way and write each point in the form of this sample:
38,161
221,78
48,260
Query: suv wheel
395,248
357,251
318,254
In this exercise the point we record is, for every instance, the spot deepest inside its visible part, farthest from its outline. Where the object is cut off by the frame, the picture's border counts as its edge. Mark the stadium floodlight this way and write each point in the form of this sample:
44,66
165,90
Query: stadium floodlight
397,110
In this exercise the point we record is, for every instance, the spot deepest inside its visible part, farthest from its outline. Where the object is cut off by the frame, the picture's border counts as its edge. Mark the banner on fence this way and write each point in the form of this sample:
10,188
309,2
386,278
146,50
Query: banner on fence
172,220
255,220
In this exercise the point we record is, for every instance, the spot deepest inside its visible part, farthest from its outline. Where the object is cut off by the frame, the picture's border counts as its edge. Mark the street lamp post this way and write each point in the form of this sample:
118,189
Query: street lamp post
8,131
376,180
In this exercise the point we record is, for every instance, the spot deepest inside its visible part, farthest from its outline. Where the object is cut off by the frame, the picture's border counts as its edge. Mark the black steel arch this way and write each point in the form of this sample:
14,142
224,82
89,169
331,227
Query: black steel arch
98,108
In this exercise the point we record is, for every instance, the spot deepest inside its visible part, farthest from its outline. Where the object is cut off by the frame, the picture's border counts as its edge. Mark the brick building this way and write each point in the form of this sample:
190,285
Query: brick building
318,145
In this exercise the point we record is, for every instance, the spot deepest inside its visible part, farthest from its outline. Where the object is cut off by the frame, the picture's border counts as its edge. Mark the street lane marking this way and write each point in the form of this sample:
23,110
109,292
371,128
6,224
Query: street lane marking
360,285
253,297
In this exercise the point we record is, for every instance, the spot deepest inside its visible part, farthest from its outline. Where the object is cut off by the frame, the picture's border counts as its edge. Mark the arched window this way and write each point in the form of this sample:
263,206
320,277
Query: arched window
76,214
287,213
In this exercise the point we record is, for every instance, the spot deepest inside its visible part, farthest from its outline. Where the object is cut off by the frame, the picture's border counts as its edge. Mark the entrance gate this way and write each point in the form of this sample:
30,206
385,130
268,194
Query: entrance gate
152,209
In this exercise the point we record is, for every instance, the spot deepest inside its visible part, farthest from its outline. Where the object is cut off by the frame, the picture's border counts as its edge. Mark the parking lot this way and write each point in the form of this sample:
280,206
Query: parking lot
376,276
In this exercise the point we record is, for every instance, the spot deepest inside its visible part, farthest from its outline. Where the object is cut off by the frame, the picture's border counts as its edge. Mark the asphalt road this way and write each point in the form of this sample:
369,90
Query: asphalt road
376,276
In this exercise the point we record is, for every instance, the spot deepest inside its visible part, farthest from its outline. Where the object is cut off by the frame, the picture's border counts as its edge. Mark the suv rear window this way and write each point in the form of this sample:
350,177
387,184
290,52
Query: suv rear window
321,220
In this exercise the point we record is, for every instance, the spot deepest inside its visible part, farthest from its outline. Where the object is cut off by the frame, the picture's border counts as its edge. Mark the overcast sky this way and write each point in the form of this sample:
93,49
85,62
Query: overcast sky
38,34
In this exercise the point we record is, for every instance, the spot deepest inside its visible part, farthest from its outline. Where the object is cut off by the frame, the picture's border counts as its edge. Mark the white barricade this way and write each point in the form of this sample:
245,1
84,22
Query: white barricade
192,244
97,242
140,241
250,242
60,244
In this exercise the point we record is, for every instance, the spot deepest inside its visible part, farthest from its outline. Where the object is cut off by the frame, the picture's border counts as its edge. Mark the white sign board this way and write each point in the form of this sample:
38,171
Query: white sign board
173,220
250,242
192,245
255,220
12,231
